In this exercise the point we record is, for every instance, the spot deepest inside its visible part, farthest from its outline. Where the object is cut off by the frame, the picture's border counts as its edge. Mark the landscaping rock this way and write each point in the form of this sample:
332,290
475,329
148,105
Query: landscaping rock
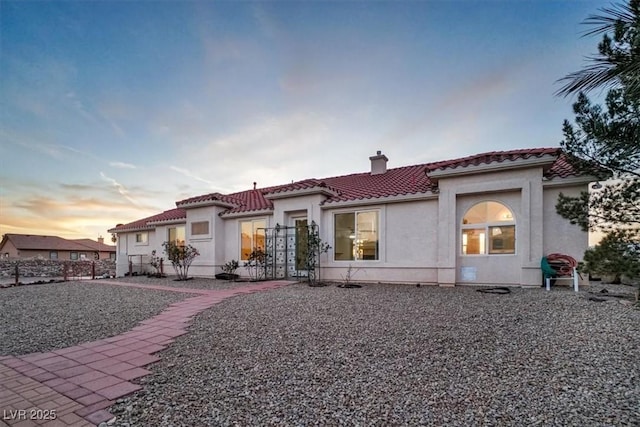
397,355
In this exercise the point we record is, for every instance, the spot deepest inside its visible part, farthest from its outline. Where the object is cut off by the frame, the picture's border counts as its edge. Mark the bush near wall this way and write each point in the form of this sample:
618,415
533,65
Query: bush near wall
35,267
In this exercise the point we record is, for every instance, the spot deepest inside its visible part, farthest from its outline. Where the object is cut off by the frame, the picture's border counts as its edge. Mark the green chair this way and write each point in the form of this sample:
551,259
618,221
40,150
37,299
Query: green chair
548,272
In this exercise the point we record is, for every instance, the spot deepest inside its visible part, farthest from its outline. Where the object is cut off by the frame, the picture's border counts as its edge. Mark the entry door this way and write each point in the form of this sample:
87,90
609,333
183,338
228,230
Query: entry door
301,239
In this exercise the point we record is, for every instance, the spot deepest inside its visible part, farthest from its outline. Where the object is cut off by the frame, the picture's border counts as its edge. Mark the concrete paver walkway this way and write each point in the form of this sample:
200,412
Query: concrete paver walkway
74,386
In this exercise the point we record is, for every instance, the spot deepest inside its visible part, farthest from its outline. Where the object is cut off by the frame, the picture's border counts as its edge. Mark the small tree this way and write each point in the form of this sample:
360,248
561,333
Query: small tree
348,278
315,248
617,255
181,257
255,264
604,142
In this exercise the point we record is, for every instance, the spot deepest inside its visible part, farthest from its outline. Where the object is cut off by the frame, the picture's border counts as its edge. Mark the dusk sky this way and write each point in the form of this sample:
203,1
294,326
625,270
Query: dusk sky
111,111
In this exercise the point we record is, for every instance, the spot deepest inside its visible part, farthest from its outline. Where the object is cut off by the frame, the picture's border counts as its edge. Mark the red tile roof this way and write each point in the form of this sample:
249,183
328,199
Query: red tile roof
561,168
493,157
211,197
96,246
399,181
147,223
55,243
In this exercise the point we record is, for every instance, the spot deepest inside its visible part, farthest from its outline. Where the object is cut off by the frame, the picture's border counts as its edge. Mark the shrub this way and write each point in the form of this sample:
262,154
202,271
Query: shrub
181,258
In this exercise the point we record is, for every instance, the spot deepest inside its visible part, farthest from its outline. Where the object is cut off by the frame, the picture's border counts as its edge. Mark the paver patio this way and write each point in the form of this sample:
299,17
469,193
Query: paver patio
73,386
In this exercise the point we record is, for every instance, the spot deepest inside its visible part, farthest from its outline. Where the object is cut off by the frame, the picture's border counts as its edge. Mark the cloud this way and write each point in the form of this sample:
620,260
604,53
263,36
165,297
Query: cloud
69,210
271,150
121,188
190,174
67,216
122,165
456,121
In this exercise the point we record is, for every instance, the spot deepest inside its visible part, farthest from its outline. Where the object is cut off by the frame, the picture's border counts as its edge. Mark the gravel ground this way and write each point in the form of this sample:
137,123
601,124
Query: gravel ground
398,355
199,283
58,315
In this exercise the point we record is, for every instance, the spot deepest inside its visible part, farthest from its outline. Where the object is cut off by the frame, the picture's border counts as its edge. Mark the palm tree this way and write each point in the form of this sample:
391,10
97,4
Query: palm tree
618,61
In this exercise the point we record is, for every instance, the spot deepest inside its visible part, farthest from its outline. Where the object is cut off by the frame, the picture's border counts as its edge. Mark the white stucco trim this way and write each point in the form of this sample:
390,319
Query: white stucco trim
380,200
574,180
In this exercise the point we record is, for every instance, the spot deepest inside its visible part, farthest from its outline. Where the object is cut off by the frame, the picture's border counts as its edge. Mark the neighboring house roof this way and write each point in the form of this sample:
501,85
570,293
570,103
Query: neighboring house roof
405,180
54,243
96,246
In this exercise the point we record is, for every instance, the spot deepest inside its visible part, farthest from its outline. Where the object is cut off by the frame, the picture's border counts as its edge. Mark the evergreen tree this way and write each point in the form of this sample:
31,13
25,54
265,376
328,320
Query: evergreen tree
605,143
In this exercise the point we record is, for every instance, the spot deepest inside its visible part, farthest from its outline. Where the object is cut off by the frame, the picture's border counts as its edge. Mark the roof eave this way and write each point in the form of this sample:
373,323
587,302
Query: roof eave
168,221
243,214
127,229
205,203
545,160
301,192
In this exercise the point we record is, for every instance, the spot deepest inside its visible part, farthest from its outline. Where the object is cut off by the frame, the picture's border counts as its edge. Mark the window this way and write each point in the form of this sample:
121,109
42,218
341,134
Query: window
83,255
53,255
112,256
177,235
488,228
199,228
141,238
356,236
73,255
251,237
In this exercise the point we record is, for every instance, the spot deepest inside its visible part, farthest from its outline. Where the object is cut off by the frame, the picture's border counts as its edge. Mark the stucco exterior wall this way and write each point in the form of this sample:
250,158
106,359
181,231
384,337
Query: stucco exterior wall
129,249
208,262
308,205
410,230
559,234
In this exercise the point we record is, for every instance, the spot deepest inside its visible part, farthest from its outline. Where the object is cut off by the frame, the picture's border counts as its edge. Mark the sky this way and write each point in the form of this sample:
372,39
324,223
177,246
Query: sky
111,111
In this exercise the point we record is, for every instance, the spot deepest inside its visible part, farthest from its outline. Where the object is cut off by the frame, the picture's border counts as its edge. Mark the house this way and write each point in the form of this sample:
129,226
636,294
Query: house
482,219
14,246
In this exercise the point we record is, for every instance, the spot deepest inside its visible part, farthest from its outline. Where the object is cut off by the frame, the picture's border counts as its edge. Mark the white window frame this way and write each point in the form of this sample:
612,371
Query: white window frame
487,226
253,230
378,212
143,238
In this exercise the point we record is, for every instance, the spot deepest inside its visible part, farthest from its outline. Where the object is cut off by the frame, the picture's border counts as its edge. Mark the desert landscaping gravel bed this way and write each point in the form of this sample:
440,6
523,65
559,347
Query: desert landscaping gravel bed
398,355
57,315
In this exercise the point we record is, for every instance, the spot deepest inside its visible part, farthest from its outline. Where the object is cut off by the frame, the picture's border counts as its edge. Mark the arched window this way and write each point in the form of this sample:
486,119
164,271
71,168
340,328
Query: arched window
488,228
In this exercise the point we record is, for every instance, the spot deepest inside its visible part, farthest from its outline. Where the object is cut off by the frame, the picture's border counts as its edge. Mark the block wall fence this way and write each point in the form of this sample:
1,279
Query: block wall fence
45,268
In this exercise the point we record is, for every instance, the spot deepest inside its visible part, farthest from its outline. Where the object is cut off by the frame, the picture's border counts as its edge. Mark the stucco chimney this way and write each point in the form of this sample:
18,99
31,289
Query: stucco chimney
100,239
378,163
